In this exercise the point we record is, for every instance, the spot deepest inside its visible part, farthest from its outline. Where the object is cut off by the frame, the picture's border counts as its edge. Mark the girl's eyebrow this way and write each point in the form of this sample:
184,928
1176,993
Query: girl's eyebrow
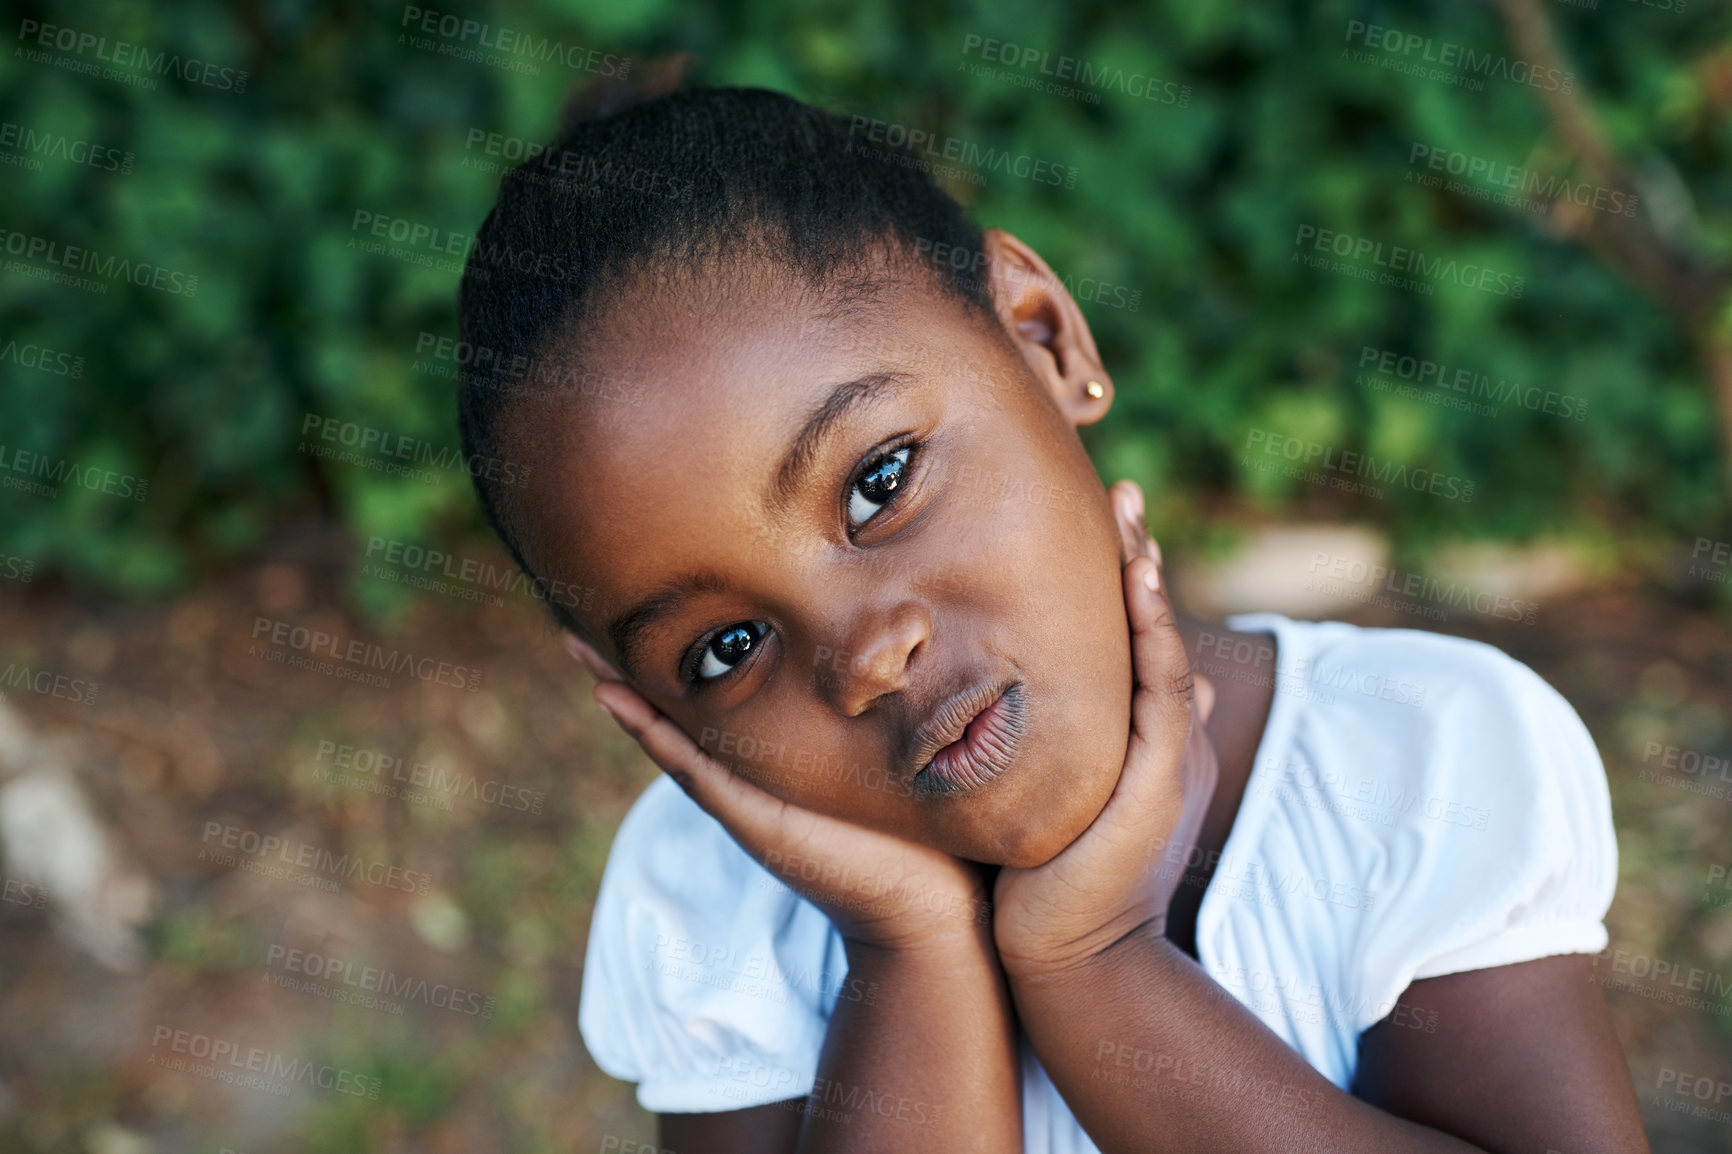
822,424
627,630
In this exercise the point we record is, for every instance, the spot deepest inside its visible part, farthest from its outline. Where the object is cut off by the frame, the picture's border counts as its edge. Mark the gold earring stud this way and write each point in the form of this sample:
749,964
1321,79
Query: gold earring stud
1095,390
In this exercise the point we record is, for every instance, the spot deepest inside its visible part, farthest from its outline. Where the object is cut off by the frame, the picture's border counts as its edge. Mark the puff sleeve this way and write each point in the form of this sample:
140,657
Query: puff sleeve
1533,875
706,981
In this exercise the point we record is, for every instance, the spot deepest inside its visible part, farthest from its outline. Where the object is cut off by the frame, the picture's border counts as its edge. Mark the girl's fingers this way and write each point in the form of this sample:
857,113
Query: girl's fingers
1205,690
748,812
1132,516
590,659
754,817
1164,694
1127,501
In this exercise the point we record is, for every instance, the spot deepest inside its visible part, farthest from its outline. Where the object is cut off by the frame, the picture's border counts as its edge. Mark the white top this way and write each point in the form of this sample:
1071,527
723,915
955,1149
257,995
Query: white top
1420,805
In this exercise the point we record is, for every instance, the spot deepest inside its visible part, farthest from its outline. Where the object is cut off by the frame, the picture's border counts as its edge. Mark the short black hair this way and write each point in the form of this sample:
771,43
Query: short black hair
672,182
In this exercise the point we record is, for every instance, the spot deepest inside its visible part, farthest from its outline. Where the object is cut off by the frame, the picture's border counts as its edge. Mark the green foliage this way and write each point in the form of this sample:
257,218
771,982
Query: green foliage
1192,205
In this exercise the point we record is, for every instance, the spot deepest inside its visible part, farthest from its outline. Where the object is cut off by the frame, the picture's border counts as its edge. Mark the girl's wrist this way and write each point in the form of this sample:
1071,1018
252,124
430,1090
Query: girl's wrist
1045,963
964,944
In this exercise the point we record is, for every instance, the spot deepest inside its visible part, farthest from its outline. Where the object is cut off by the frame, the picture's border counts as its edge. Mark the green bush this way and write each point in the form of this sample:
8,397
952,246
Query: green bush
1259,121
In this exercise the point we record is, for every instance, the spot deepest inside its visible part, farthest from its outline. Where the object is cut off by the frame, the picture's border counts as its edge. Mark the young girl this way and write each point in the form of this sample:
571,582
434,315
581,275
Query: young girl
968,843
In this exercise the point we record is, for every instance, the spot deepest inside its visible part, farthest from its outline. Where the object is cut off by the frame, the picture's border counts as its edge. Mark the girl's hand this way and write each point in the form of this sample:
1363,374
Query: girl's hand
1120,874
878,890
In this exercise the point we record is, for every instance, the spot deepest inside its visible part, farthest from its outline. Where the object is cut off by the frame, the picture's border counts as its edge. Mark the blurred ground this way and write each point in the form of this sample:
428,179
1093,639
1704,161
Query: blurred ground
111,976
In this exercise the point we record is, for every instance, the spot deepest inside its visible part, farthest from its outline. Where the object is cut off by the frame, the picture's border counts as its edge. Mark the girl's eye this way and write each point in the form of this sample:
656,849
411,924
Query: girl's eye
877,486
728,648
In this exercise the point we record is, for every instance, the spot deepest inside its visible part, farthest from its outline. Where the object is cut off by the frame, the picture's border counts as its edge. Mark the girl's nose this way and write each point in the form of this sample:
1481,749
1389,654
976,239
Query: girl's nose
880,653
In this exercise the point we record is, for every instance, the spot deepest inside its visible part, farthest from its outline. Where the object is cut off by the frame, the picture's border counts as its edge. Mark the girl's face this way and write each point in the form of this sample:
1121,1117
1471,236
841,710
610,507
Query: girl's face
820,540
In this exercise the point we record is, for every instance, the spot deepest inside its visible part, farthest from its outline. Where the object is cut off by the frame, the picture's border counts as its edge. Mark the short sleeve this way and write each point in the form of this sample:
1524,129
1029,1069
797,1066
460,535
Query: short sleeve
1519,859
706,980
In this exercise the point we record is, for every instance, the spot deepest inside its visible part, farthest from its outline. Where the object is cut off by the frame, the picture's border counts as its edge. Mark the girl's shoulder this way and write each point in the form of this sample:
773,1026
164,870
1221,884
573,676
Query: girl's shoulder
1445,786
1428,673
1418,706
706,980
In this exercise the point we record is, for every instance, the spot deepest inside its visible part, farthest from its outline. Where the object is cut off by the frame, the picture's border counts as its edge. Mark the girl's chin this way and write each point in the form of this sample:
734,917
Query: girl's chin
1038,844
1031,860
1053,824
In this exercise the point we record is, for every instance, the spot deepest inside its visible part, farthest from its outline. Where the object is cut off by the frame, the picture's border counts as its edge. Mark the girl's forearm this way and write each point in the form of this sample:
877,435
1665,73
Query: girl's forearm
925,1059
1152,1055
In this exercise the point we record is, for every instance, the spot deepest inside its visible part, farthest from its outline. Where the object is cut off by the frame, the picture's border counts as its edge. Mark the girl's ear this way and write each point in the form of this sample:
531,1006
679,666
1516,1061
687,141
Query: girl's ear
595,662
1048,327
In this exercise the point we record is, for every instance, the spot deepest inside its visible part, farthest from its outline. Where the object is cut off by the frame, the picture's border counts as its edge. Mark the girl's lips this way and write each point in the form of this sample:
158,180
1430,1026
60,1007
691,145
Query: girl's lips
986,748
